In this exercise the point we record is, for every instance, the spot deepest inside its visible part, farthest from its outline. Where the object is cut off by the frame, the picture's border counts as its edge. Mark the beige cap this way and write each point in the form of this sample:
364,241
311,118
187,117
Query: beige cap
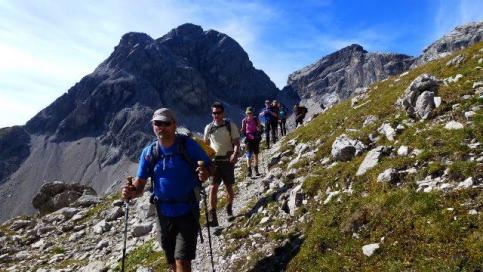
163,114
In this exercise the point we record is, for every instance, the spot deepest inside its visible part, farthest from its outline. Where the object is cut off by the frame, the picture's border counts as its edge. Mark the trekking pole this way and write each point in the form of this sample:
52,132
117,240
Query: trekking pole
203,193
126,205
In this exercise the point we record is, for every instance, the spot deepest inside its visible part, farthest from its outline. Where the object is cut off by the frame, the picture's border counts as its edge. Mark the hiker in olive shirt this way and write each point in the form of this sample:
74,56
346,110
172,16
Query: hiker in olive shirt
223,136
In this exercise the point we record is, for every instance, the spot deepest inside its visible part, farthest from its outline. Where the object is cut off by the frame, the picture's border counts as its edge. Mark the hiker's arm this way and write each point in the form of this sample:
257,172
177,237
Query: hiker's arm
135,189
236,150
203,172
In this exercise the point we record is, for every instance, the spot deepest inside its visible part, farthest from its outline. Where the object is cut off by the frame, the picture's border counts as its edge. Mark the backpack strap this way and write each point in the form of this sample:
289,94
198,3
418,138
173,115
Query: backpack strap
212,127
154,157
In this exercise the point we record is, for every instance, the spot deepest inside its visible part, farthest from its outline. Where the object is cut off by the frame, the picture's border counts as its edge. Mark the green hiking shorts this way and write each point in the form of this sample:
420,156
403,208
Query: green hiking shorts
178,236
224,171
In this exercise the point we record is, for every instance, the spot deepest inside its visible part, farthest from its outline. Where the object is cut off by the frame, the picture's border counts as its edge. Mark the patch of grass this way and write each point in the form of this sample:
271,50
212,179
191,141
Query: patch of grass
57,250
461,170
417,229
240,233
145,256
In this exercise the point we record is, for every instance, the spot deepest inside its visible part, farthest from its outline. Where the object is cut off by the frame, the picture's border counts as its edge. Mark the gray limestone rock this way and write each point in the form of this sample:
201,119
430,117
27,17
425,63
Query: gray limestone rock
141,229
456,61
114,214
56,195
387,130
371,119
425,105
403,150
95,266
295,199
101,227
344,148
418,98
369,249
390,175
21,224
76,236
451,125
87,200
372,159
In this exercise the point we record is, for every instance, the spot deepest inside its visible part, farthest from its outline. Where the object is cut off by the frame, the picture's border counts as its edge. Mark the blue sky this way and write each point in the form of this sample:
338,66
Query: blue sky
47,46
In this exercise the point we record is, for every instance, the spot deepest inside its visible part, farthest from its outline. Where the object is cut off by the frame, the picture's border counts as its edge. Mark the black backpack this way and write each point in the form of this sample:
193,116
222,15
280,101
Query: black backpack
155,156
212,127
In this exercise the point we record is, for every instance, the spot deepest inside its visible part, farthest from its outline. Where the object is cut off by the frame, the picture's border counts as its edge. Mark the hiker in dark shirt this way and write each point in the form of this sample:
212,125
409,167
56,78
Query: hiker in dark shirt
274,121
300,112
266,116
174,180
282,119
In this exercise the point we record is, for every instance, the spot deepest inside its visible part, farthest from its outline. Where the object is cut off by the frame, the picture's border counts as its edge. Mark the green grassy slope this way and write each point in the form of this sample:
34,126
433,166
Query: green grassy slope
416,231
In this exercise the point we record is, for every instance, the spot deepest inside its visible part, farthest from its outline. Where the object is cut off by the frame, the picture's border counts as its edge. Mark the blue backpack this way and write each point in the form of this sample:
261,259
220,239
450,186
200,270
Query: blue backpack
282,114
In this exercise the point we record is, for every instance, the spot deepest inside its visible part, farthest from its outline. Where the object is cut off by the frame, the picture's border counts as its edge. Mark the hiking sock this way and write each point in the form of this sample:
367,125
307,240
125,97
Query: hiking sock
249,172
256,170
213,218
229,209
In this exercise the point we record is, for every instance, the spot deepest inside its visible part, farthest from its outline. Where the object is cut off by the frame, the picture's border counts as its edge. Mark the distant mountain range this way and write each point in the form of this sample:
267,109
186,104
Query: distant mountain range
93,133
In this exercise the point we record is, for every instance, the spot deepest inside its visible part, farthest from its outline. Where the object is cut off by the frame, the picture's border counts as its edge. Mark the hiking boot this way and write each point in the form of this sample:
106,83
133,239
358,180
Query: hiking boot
249,172
256,171
213,219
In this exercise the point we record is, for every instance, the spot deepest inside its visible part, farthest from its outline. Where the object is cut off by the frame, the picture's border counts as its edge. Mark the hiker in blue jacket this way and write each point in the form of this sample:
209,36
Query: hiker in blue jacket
174,180
267,116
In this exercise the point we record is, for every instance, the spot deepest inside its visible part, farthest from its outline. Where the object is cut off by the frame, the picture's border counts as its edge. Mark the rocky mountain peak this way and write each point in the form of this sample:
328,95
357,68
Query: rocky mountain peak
354,48
185,31
461,37
336,76
133,39
96,130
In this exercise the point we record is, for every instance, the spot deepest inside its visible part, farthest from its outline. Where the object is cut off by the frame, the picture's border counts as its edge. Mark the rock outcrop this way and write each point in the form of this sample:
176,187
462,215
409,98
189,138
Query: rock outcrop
335,77
418,98
461,37
56,195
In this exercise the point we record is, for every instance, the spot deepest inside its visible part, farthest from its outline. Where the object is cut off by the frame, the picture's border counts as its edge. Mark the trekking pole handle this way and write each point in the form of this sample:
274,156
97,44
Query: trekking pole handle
129,184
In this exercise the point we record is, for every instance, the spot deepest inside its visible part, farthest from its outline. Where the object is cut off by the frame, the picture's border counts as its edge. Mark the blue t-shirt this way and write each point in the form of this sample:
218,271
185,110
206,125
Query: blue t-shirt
265,115
174,178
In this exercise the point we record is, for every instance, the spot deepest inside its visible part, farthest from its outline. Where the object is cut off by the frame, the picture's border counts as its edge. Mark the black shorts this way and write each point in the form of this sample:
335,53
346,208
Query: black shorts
224,171
178,236
253,146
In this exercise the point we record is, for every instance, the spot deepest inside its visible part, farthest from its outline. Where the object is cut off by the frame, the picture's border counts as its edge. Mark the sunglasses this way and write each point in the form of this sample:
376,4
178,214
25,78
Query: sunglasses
162,123
217,112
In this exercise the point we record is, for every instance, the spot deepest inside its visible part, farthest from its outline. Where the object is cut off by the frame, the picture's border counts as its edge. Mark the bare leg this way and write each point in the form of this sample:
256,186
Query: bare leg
213,196
183,265
230,194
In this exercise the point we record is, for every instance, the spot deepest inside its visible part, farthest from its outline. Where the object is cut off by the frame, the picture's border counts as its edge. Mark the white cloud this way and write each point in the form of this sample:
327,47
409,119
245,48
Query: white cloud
451,13
47,46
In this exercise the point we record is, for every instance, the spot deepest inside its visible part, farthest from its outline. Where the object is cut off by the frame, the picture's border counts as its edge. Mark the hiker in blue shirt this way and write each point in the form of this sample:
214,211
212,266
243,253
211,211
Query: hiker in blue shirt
267,116
174,180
